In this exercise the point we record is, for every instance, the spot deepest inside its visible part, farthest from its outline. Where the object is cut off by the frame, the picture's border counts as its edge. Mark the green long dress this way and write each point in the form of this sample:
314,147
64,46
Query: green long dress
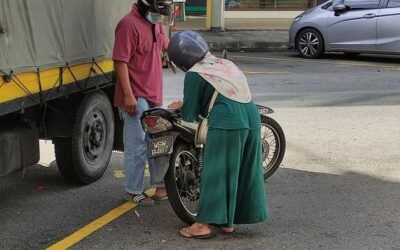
232,187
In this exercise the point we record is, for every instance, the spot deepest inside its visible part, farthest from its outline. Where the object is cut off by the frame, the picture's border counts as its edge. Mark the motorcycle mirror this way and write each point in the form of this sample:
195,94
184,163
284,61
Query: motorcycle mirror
171,66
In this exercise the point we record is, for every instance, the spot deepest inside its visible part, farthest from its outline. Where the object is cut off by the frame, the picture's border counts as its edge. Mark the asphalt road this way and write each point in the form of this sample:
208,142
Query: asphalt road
338,186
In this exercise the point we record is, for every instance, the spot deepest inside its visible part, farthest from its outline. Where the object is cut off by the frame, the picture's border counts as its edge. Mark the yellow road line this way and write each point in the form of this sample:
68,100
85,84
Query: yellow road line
345,63
96,225
147,172
119,174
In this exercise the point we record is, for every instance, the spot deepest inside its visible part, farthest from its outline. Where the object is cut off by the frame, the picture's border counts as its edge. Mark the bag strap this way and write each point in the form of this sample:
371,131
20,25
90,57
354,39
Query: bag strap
213,98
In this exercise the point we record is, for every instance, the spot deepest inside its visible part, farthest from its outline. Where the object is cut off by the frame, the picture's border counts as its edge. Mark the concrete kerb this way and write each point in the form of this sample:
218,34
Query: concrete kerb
248,41
248,46
265,32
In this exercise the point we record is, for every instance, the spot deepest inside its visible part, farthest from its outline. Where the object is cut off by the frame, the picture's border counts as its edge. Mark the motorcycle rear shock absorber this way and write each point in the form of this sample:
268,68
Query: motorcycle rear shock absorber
200,156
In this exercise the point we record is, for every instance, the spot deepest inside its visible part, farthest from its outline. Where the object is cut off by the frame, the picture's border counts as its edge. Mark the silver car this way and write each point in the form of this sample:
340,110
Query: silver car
350,26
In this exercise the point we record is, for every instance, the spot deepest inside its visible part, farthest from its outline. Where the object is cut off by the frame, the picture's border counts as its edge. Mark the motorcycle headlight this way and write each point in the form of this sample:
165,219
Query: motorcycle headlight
297,19
155,124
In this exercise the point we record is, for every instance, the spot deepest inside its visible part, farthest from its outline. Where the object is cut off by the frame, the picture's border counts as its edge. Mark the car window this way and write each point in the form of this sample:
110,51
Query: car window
362,4
327,6
394,4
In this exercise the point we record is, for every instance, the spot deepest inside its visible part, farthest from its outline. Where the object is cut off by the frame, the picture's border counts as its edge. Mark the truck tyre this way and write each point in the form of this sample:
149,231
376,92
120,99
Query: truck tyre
84,157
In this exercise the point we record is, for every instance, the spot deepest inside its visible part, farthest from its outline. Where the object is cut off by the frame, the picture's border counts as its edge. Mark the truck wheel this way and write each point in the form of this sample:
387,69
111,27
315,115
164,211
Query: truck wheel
84,157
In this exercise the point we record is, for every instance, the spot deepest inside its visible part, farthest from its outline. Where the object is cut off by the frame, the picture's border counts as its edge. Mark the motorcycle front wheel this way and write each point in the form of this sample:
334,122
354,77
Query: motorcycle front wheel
182,182
273,145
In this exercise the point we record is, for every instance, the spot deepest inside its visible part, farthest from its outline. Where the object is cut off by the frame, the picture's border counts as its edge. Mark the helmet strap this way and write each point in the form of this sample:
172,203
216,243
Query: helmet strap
154,33
142,8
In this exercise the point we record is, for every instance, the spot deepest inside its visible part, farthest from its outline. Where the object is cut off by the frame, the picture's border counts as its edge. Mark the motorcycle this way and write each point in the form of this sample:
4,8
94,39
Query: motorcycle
172,144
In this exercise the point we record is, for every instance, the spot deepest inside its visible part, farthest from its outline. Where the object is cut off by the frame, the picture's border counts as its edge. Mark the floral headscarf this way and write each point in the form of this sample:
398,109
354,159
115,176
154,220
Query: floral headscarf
225,77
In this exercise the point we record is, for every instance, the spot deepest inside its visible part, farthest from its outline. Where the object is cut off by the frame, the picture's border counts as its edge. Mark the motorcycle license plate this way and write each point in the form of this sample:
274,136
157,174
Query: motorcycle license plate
160,146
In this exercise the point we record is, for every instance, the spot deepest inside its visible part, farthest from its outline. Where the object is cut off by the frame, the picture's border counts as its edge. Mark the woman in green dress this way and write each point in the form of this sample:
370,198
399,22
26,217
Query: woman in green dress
232,187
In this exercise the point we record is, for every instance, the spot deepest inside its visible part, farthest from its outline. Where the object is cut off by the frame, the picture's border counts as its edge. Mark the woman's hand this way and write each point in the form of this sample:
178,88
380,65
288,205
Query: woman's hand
176,105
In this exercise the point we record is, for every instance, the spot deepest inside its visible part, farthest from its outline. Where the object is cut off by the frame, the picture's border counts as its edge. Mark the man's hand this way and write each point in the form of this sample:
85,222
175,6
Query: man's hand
176,105
130,104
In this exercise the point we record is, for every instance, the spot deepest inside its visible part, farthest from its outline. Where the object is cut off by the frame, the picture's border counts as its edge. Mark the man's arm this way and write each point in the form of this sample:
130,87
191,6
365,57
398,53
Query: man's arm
130,102
165,39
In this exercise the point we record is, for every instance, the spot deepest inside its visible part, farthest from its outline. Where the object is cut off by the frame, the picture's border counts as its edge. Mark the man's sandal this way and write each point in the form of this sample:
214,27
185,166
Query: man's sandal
139,199
160,198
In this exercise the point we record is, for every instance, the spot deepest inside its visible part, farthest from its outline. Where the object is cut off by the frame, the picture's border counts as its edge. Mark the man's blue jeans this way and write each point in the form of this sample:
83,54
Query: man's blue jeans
135,155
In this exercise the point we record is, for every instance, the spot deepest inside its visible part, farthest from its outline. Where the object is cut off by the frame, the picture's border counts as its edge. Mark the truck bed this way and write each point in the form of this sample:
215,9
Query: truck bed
50,48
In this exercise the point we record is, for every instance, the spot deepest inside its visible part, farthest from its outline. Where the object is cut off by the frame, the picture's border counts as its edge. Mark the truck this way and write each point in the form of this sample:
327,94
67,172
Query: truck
57,83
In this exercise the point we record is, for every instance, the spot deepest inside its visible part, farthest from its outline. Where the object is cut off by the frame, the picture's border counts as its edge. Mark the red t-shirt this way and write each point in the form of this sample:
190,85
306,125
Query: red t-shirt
135,45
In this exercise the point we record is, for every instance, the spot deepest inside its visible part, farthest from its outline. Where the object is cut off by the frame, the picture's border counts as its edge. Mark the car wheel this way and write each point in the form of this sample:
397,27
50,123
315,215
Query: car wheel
310,44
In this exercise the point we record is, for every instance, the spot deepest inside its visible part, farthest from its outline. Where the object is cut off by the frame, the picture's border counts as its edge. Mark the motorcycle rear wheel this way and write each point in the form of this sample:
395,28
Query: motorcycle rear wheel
182,182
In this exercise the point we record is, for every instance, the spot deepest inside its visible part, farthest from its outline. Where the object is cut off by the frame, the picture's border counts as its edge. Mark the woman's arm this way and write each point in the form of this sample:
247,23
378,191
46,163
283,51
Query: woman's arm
192,96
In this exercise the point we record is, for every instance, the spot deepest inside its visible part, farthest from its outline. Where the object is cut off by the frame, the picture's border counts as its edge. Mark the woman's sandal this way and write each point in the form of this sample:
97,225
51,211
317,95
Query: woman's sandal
139,199
227,230
185,233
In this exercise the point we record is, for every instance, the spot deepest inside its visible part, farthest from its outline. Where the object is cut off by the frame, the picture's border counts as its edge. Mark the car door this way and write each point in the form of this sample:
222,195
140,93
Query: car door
388,30
354,29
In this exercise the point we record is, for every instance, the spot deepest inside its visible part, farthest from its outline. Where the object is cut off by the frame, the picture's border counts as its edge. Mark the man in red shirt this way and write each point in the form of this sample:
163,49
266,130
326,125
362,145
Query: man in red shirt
139,40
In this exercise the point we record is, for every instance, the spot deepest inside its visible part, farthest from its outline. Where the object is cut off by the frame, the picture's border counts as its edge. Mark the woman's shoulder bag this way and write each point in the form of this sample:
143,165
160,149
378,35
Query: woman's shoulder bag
202,129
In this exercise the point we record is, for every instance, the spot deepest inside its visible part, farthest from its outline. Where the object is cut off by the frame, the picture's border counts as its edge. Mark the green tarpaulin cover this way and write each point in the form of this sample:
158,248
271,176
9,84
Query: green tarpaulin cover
51,33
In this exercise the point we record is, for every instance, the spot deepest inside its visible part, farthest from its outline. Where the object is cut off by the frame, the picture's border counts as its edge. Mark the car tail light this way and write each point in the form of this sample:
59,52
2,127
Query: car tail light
155,124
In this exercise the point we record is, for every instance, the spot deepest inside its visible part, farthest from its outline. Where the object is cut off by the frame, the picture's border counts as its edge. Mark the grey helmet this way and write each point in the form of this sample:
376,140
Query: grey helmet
186,48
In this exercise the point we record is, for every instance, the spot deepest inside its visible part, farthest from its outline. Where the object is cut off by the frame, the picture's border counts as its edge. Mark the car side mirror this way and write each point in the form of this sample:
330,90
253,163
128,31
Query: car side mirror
340,8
